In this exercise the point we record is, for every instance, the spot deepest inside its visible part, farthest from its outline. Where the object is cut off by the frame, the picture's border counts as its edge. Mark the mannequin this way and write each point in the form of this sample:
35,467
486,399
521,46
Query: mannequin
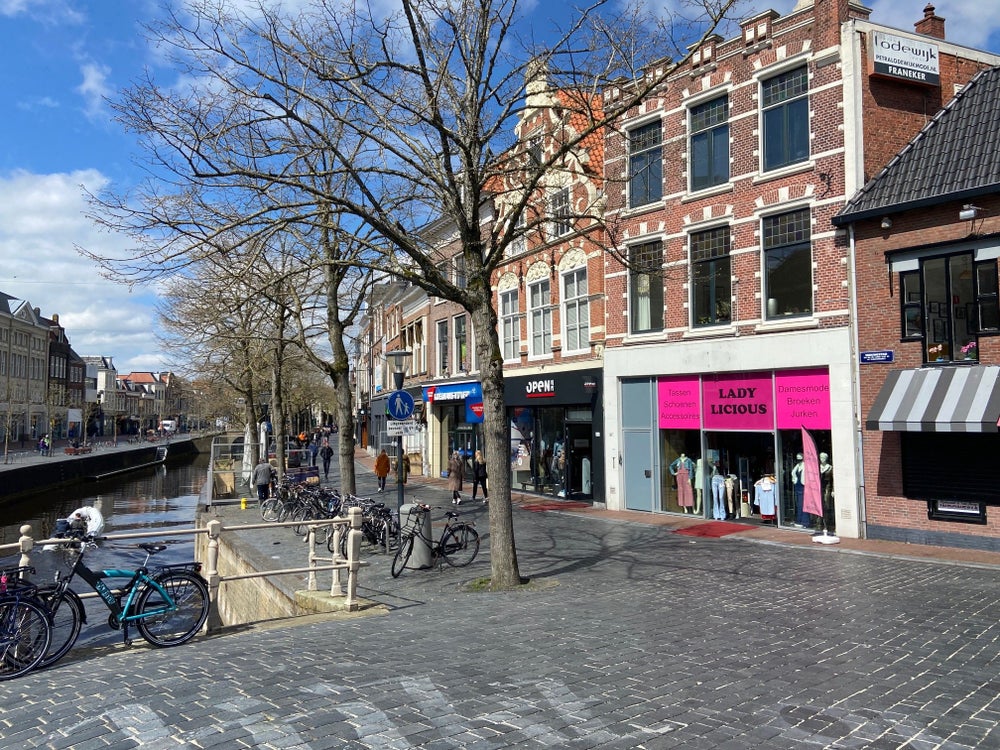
730,485
719,495
826,487
683,470
700,480
764,497
799,490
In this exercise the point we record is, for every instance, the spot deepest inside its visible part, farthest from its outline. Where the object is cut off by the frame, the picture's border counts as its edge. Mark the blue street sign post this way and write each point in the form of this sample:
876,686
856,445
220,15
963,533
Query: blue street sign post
399,405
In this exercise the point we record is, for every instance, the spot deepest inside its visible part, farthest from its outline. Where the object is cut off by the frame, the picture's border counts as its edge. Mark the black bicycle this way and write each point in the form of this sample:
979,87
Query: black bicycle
25,628
458,544
168,604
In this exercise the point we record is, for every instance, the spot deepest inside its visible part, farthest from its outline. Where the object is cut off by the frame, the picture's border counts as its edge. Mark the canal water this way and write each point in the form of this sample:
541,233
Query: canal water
160,498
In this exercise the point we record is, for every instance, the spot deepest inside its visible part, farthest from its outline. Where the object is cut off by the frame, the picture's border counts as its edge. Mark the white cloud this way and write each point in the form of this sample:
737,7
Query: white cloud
49,12
94,89
42,221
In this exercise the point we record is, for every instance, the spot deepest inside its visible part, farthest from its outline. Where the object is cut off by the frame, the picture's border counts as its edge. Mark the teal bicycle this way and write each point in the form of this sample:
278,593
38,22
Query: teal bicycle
168,605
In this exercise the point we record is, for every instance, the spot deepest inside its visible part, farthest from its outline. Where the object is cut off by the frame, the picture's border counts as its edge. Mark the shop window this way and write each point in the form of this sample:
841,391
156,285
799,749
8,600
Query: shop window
540,318
646,287
645,164
576,311
784,101
709,148
510,325
949,303
711,277
788,264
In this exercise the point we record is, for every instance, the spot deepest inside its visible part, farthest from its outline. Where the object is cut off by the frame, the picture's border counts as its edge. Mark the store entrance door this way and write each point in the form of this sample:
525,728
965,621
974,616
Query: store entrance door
746,457
578,473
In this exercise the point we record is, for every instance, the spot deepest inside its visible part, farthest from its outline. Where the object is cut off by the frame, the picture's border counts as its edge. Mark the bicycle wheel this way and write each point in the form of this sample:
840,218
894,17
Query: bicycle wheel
402,556
68,616
25,633
269,509
303,516
460,545
189,593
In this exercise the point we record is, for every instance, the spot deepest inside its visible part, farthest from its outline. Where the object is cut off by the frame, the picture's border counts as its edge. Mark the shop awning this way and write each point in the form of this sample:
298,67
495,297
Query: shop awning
938,399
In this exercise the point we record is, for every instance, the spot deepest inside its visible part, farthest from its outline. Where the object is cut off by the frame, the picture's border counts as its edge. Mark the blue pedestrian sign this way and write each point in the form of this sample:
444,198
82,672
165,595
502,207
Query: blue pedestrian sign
399,405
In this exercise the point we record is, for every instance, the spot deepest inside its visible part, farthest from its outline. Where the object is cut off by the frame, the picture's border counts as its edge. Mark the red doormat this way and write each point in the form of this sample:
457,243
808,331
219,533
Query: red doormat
713,529
554,505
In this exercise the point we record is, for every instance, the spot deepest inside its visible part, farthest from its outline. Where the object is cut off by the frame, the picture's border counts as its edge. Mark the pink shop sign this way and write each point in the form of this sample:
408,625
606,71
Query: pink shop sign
738,402
679,405
802,399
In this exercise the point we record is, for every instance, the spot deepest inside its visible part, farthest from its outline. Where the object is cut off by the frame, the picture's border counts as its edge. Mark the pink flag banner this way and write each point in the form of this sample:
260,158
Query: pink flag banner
812,498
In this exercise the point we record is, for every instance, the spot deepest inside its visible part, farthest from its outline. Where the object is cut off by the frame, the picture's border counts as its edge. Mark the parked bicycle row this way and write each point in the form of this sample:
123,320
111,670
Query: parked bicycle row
303,503
40,622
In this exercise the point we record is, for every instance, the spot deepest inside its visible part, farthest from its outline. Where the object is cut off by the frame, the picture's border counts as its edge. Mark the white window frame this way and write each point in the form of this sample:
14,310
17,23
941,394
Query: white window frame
510,324
580,303
542,312
560,218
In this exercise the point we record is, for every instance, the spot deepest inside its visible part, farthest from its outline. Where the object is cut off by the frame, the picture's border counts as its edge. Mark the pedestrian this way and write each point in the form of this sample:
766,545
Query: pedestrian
456,468
313,450
263,473
326,453
479,477
382,469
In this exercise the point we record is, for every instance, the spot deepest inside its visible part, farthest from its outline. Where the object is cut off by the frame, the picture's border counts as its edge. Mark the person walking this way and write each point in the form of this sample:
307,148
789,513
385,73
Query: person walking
313,450
382,469
326,453
479,477
456,468
263,472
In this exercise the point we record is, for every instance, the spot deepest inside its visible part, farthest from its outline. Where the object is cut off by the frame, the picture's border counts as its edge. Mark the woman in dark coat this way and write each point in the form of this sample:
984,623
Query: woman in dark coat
455,471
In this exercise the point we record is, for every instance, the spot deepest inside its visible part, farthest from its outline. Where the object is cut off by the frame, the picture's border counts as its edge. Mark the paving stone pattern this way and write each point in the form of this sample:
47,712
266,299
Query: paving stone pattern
634,637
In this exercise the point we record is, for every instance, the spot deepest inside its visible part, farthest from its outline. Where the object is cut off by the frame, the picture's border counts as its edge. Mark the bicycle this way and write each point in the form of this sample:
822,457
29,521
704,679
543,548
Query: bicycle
168,605
458,544
25,628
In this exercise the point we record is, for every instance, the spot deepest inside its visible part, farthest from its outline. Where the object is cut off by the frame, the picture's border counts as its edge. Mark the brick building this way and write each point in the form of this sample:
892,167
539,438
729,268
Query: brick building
730,349
926,232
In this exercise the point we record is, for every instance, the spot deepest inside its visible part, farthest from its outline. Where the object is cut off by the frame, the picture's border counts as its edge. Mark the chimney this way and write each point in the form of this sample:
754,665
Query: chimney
55,318
930,24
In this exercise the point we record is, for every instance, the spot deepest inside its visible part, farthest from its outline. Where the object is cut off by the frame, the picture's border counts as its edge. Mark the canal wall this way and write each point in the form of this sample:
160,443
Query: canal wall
39,473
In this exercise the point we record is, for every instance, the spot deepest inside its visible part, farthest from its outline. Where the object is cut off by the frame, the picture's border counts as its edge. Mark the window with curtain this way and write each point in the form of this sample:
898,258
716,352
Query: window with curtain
645,287
540,318
576,311
510,325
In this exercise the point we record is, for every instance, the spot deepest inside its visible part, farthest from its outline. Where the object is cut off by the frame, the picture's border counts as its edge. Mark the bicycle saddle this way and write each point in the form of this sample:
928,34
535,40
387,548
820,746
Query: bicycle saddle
452,514
151,547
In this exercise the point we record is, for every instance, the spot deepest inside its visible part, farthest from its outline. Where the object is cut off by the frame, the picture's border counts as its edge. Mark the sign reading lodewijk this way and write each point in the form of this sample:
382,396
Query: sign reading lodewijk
905,59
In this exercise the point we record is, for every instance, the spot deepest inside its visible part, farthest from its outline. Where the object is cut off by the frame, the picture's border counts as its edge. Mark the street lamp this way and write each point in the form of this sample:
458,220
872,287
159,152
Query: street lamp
399,359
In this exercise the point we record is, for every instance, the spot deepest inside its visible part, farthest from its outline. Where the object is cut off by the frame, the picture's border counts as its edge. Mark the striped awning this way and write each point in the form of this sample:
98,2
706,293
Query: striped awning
938,399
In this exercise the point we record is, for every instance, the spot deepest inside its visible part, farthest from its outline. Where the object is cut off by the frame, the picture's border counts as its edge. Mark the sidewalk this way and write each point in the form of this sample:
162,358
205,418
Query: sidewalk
759,534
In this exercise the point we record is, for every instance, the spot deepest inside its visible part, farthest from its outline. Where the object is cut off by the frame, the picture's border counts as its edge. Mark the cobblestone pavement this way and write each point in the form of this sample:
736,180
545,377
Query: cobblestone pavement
631,636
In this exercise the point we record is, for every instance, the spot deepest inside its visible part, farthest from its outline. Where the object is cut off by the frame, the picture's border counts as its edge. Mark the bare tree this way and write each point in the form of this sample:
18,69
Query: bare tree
406,115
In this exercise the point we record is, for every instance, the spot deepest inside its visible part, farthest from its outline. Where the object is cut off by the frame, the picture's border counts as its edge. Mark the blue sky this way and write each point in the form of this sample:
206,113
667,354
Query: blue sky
61,59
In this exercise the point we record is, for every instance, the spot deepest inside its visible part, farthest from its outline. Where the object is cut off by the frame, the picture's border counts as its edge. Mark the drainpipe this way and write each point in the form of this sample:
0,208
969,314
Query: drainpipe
859,455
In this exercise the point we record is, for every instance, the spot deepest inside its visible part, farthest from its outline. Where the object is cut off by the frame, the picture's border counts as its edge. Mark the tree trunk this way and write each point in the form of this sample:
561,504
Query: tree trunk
503,553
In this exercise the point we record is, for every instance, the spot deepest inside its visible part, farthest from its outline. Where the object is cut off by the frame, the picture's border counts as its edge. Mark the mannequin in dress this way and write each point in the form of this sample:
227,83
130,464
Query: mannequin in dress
682,469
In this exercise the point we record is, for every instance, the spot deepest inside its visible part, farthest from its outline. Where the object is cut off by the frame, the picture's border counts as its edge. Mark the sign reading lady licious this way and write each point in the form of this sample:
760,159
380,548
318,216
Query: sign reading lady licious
757,401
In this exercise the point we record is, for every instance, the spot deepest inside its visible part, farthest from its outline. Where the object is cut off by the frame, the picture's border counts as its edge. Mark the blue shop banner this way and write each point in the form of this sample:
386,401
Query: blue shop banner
471,394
